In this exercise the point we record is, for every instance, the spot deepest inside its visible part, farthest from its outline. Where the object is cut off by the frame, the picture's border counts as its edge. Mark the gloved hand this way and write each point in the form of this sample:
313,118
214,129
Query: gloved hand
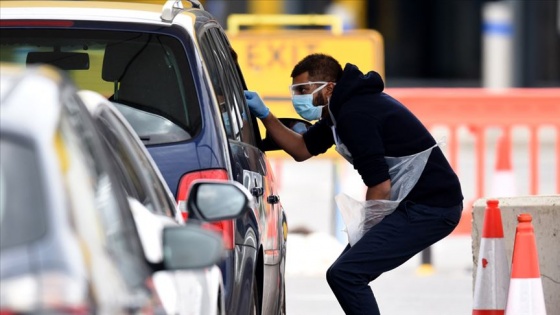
256,104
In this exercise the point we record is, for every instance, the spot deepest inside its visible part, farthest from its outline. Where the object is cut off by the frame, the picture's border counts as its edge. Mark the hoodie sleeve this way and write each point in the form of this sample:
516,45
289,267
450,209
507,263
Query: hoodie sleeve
318,138
360,132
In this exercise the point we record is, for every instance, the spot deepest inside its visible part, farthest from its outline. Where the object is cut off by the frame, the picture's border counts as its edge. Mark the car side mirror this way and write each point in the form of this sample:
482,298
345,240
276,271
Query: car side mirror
190,247
298,125
215,200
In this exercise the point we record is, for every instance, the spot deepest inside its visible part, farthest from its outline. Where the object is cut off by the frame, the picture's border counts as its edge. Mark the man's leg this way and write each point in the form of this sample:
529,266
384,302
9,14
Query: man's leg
398,237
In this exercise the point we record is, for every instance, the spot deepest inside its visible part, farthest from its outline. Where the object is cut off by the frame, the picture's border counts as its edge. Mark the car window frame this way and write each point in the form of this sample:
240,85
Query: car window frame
146,190
135,269
210,52
254,137
235,83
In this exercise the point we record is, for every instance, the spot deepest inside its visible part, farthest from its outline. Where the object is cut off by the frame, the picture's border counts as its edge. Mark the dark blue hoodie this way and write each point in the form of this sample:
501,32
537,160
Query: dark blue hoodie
373,125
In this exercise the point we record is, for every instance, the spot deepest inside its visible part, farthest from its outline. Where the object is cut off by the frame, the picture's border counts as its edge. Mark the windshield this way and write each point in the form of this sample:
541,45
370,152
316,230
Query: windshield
146,71
22,202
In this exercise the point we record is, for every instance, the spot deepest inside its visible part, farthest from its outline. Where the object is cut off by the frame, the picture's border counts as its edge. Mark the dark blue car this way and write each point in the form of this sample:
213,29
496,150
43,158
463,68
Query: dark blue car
172,73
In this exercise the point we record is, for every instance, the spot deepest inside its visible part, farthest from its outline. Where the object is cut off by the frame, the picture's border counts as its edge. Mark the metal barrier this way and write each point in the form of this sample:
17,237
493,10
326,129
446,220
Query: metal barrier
480,110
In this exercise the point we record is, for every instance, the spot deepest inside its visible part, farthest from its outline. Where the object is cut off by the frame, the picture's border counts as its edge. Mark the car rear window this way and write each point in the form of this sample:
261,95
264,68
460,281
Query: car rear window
22,202
145,70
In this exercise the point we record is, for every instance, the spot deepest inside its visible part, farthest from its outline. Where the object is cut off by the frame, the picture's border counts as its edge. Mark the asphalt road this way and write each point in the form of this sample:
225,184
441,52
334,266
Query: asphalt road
407,290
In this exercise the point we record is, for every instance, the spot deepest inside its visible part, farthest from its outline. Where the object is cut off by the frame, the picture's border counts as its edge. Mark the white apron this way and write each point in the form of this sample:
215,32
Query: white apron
404,171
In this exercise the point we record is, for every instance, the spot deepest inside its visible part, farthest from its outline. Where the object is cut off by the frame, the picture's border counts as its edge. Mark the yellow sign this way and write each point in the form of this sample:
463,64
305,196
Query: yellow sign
267,57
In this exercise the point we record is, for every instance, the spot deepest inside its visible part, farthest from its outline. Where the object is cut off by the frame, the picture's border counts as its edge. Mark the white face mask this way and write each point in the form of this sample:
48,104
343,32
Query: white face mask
303,103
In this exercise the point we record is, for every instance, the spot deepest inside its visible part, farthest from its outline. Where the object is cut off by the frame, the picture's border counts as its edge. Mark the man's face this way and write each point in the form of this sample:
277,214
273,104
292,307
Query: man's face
319,98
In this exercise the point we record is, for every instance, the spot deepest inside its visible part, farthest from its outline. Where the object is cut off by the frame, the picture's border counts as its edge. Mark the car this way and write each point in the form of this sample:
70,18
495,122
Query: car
69,243
172,73
53,186
183,292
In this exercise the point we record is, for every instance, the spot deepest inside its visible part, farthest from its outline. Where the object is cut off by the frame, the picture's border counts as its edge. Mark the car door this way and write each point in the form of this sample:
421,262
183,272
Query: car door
135,171
249,164
122,242
182,291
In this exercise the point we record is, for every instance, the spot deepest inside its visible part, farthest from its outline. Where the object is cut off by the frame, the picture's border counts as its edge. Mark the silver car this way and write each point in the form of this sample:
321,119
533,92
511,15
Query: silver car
68,239
197,291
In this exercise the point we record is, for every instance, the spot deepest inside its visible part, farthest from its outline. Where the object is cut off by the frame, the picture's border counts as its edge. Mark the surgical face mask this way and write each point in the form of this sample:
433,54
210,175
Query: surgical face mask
303,103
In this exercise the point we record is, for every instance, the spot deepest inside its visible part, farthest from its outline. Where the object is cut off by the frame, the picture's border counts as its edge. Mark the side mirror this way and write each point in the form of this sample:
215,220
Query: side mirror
296,124
214,200
190,247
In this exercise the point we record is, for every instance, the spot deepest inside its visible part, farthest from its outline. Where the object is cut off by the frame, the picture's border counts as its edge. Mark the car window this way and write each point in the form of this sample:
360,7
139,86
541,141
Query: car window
82,146
146,70
22,195
125,164
216,66
227,85
135,170
235,85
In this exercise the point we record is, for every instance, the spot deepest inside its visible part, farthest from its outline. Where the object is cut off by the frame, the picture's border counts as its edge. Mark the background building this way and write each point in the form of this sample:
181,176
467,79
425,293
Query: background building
439,42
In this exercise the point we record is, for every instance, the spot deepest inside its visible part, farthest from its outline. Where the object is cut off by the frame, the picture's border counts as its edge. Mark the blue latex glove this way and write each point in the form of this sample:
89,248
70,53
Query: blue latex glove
256,104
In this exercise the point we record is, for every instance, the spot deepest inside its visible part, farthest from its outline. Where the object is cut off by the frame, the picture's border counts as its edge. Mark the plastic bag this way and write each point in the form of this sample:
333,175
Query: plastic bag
360,216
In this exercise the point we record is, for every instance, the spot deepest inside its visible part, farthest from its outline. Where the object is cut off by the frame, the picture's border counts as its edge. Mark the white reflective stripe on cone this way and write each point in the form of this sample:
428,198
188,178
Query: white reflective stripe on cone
492,276
525,297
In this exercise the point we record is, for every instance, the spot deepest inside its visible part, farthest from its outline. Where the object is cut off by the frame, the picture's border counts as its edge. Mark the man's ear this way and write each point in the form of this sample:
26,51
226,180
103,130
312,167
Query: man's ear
330,88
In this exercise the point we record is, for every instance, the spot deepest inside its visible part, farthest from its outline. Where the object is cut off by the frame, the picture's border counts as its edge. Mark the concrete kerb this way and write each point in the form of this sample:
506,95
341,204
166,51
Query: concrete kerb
545,211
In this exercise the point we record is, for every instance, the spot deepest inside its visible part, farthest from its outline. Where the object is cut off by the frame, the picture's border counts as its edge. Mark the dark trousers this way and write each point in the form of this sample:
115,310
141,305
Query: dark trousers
397,238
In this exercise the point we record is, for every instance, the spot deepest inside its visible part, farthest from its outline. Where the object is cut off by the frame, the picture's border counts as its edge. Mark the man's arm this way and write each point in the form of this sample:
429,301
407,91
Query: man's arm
290,141
379,191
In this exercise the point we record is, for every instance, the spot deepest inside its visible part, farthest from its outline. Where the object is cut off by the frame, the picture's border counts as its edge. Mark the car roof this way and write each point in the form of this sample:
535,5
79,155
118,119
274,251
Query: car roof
39,89
89,10
85,5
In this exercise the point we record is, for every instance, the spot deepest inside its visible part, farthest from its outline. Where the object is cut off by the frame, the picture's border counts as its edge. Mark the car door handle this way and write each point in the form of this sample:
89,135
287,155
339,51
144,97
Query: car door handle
273,199
257,191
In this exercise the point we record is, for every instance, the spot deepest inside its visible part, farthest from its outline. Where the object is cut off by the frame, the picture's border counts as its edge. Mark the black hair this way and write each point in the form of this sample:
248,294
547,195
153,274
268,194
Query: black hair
320,67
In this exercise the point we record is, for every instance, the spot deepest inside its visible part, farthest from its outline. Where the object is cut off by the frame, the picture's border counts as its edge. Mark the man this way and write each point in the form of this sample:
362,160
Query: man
367,126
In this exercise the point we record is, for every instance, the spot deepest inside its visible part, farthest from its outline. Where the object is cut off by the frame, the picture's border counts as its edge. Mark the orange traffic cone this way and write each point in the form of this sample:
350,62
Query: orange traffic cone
525,291
492,273
504,178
